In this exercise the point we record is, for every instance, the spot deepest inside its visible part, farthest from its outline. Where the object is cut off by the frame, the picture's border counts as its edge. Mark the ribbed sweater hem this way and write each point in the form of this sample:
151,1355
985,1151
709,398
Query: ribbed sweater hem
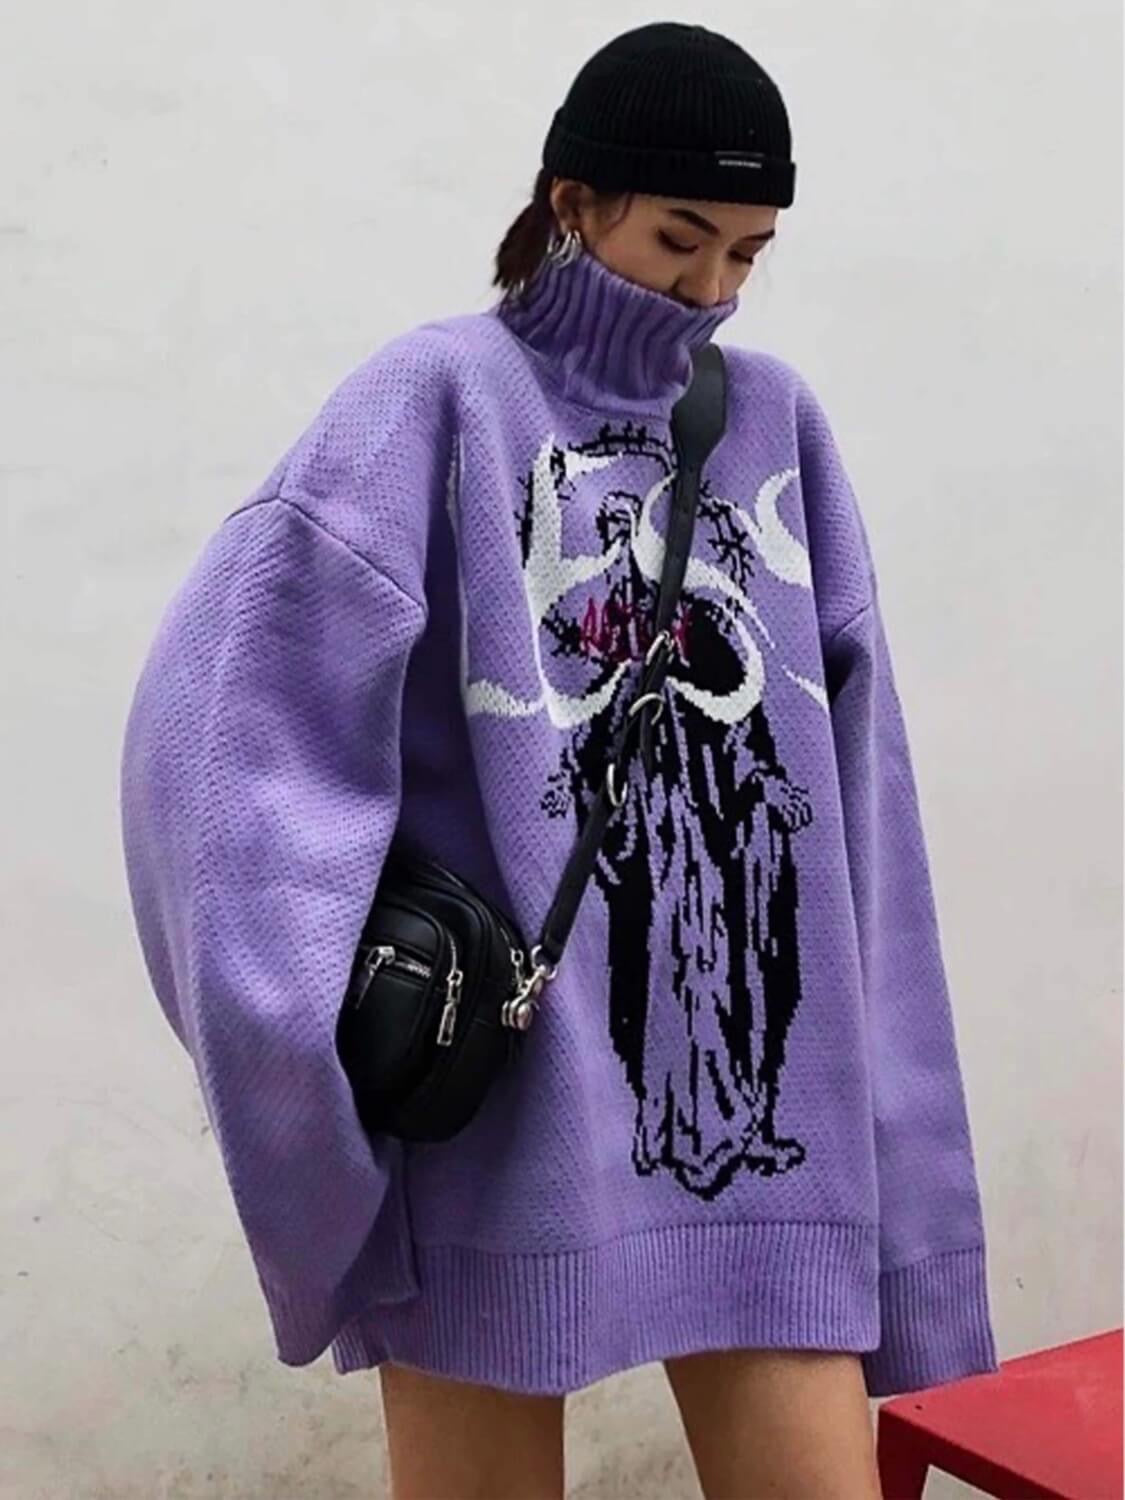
554,1323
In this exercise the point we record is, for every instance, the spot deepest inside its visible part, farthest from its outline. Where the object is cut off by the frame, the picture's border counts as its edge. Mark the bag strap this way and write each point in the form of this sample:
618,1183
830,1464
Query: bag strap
698,421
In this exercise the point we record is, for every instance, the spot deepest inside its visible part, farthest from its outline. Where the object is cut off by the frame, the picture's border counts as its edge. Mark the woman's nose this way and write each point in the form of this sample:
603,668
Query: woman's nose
701,289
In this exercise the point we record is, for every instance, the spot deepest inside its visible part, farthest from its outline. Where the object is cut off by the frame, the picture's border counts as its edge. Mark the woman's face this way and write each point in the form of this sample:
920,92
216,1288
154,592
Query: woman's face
697,252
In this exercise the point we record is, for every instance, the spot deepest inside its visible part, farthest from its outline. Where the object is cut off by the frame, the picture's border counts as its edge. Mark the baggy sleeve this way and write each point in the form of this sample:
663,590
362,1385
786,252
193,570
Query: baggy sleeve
260,786
934,1307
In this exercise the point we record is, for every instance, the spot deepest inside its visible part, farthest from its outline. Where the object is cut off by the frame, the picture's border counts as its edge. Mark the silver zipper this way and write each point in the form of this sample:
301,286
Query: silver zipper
452,1000
384,956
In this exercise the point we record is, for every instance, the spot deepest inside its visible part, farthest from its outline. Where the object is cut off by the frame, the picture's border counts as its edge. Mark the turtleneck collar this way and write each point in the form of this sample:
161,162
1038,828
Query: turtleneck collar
608,340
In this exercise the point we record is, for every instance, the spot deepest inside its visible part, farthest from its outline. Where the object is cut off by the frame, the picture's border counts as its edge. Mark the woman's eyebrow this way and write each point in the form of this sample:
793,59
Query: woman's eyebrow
689,217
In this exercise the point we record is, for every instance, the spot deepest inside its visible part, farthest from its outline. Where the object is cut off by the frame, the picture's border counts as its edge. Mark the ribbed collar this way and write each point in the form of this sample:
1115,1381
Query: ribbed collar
607,340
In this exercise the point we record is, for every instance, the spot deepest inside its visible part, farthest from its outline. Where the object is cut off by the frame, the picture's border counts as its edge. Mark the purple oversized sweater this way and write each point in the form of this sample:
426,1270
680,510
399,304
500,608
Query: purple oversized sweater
739,1119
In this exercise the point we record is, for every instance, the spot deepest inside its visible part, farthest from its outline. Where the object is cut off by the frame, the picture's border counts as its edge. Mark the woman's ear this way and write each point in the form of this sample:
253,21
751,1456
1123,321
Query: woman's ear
569,202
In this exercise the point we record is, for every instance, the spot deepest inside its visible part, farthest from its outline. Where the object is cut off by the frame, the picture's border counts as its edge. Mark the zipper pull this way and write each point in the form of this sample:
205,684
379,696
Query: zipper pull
375,961
452,1001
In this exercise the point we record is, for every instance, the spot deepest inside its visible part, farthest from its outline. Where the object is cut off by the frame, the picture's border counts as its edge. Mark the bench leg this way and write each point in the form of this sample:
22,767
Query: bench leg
902,1468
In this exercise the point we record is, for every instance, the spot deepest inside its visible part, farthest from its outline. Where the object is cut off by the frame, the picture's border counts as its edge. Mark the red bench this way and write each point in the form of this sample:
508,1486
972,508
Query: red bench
1045,1427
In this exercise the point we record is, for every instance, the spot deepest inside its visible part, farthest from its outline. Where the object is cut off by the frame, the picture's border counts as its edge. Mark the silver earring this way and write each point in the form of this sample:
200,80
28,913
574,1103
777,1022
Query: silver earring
565,251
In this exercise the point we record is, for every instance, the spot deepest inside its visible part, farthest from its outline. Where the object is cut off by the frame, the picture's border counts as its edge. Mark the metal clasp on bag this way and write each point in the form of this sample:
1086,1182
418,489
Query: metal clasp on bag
519,1012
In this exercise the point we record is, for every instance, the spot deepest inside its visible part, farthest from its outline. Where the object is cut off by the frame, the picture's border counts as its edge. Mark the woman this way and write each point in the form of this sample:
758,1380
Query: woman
736,1141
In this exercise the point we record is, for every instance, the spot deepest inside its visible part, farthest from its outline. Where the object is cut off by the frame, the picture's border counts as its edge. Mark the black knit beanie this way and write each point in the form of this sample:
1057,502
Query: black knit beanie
677,111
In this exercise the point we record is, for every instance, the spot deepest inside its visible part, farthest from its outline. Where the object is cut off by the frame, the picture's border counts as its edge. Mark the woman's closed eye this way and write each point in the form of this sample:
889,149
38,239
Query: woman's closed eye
674,245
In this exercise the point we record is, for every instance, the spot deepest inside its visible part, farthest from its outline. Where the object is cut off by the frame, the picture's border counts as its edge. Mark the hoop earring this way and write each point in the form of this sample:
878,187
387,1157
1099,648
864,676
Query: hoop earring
565,251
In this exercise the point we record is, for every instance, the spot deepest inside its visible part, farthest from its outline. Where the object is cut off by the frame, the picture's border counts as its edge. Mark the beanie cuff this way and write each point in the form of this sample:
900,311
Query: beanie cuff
732,176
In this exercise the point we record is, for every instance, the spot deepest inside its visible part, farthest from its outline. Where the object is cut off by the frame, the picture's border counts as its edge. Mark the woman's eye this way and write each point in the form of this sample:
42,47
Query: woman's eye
677,249
669,243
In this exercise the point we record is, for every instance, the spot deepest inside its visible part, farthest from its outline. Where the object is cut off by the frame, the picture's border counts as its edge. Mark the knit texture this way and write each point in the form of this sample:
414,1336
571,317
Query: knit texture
738,1119
678,111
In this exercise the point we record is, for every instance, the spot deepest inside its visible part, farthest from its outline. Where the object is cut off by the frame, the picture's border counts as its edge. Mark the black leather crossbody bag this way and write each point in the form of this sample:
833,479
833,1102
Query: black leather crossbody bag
443,987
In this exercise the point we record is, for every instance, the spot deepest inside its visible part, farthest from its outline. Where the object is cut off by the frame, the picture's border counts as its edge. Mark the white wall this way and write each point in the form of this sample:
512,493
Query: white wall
210,213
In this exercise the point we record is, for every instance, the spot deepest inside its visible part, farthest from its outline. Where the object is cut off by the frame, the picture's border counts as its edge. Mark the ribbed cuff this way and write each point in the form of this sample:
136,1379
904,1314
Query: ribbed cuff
935,1324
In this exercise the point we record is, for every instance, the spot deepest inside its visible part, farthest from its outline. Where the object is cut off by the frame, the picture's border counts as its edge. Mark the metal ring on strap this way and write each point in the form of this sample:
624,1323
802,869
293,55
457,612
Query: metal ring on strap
615,796
662,639
657,698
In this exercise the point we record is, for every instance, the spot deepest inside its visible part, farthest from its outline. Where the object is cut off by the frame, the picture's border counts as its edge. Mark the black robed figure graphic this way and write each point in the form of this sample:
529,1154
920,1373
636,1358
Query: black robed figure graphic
699,859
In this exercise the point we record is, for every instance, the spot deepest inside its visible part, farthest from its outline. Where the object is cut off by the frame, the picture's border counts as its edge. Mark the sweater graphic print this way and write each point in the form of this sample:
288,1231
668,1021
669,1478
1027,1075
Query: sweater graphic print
701,859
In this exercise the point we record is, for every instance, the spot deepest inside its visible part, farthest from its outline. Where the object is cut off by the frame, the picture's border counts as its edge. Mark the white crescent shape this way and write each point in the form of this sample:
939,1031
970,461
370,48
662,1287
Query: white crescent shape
729,708
814,689
784,554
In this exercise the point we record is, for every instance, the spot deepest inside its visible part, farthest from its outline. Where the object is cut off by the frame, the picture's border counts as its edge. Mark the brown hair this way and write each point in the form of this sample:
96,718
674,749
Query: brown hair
529,235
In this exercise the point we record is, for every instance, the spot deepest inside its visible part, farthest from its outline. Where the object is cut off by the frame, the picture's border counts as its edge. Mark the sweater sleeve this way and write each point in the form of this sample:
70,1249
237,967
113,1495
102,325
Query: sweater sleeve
261,784
260,787
933,1295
